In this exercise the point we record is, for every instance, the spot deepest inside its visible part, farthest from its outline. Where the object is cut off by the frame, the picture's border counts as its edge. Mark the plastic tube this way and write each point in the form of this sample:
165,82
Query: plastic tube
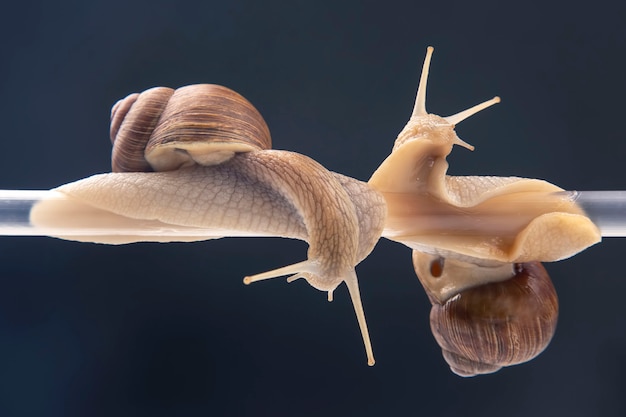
16,205
607,209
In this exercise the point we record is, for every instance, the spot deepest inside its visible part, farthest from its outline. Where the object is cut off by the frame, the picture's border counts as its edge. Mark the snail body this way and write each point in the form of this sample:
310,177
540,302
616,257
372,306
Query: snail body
200,157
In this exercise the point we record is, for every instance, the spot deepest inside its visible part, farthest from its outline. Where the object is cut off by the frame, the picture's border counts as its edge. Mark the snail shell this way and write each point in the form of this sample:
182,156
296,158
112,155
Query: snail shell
162,129
485,328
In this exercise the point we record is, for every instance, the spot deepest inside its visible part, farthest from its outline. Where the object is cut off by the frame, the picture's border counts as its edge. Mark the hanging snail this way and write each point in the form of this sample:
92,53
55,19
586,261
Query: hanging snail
200,157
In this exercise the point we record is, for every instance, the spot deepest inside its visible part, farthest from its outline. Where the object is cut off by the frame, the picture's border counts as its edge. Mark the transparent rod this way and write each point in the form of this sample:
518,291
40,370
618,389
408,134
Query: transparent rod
607,209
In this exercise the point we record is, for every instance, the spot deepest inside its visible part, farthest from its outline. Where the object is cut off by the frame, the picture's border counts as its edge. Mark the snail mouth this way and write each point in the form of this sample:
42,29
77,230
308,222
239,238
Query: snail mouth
319,282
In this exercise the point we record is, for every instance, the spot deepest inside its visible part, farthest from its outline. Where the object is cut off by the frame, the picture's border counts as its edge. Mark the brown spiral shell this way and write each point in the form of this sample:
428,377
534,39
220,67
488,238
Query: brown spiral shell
163,129
482,329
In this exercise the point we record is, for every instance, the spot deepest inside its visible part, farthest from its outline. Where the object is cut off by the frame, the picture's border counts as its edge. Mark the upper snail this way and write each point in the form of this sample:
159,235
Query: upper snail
216,172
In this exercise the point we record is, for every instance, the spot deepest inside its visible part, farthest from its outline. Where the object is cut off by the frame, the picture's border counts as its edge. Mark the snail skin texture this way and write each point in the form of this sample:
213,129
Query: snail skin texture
200,157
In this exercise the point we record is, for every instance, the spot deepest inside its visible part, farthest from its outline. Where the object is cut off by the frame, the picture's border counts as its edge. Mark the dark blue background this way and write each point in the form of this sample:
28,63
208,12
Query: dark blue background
170,330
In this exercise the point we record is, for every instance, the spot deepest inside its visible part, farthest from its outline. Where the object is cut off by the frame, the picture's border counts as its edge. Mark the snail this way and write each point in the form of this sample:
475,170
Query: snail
210,149
200,158
503,323
493,303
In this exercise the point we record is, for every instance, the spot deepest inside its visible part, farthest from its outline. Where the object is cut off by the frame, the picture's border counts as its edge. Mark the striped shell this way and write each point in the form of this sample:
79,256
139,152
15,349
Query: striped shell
162,129
485,328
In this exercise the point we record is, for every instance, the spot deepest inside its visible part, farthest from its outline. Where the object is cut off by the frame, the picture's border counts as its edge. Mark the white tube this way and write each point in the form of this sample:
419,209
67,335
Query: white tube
15,220
607,209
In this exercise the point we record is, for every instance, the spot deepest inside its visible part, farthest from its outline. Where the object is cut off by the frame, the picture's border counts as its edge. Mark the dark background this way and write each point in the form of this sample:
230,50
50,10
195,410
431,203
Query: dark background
170,330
